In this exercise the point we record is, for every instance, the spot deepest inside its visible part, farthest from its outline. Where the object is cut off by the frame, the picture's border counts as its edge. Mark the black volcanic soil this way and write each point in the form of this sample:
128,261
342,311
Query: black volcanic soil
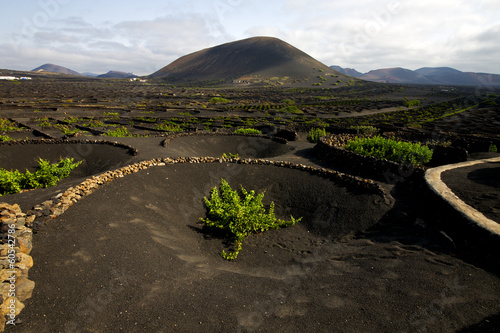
208,145
133,257
478,186
95,158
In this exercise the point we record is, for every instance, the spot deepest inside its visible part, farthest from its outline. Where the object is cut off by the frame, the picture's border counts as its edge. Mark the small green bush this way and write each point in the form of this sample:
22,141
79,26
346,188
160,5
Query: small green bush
392,150
288,101
315,134
8,126
219,100
5,138
230,155
366,130
247,131
291,109
240,215
493,149
120,132
46,175
410,103
169,126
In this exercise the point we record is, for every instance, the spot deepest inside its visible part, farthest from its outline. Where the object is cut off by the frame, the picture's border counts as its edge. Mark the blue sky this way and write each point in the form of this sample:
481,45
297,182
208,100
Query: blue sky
142,37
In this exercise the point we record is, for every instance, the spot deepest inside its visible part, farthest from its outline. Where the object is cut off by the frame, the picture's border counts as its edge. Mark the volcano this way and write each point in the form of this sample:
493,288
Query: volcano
250,60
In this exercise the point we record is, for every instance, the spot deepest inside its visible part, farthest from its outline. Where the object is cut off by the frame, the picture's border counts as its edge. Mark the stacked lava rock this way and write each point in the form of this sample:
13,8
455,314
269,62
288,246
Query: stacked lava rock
15,262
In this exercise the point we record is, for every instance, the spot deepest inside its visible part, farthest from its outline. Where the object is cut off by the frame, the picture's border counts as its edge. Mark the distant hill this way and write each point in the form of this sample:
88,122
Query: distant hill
55,69
427,75
117,75
395,75
90,74
347,71
248,60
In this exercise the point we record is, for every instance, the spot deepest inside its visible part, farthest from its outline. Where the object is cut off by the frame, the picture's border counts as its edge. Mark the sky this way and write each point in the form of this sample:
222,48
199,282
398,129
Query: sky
143,36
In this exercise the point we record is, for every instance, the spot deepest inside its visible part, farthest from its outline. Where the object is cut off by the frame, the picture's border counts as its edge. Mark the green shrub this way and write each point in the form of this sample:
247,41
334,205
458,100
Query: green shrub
5,138
288,101
169,126
46,175
230,155
219,100
493,149
247,131
240,216
366,130
120,132
291,109
315,134
392,150
8,126
410,103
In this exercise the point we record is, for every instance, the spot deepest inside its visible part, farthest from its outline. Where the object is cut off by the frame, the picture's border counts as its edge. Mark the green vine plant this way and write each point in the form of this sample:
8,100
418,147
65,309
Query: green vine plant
47,175
230,156
240,215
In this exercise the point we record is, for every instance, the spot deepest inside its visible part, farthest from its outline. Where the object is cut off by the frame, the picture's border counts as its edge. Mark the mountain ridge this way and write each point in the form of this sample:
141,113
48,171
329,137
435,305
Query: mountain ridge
429,75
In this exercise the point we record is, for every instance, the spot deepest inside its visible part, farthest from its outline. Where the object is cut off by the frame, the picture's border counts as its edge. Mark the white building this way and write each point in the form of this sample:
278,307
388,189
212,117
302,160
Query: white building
11,78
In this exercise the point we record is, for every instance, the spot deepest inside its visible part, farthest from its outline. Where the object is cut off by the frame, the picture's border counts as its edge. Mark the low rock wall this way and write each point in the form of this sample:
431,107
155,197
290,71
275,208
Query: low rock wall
330,149
363,166
171,137
131,150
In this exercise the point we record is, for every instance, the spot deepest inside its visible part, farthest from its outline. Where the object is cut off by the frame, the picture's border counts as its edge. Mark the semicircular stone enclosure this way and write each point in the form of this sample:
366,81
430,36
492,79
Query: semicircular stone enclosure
95,157
156,238
217,145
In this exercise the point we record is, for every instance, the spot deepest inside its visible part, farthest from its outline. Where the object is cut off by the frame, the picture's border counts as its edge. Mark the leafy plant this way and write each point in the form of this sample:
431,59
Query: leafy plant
366,130
393,150
7,125
5,138
240,215
410,103
230,155
168,126
291,109
288,101
315,134
120,132
219,100
247,131
493,149
46,175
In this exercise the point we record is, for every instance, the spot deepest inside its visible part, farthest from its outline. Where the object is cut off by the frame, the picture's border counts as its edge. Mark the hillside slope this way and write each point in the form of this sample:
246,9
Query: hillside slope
250,60
55,69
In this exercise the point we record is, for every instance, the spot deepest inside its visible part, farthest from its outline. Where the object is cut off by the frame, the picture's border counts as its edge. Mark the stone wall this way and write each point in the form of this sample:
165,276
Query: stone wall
131,150
330,149
171,137
15,262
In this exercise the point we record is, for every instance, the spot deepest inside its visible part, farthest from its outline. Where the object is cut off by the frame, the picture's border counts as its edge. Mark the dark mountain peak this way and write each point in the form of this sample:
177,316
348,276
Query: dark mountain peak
437,71
117,75
347,71
256,57
395,75
55,69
